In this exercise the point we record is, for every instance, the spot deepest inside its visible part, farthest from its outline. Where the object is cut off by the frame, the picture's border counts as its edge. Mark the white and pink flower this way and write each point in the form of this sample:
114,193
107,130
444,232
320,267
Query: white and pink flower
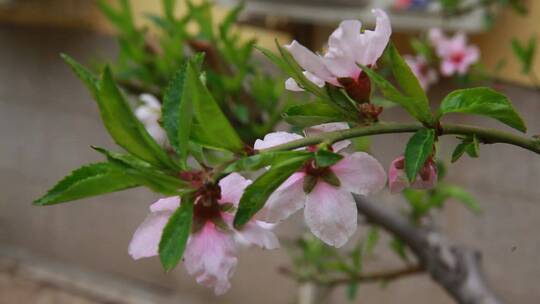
456,56
149,113
210,253
420,67
397,178
329,209
347,47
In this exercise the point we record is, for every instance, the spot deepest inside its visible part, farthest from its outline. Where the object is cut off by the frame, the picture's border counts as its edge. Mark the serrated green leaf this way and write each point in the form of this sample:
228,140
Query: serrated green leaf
89,80
257,193
124,127
176,233
316,113
178,111
418,150
485,102
217,130
145,173
261,160
89,180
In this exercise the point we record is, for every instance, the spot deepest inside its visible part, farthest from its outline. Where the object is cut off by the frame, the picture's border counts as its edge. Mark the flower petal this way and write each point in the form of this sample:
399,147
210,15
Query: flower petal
330,127
232,188
427,177
292,85
286,200
331,214
374,42
210,257
151,101
166,204
145,241
360,173
274,139
309,61
258,233
397,181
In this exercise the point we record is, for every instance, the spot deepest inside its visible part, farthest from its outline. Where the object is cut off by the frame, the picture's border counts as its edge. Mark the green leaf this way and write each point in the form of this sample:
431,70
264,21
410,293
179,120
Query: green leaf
217,130
525,54
178,111
175,234
444,192
257,193
391,93
482,101
325,158
89,180
311,114
409,83
89,80
418,150
399,248
469,145
261,160
124,127
372,238
145,174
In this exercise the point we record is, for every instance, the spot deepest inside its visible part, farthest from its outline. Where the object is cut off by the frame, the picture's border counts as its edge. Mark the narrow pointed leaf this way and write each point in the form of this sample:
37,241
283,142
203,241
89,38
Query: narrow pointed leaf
178,111
325,158
307,115
89,80
124,127
176,233
89,180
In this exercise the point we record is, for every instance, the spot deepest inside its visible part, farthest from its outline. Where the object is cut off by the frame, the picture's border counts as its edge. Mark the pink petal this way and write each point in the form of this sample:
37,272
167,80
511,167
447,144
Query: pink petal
397,181
147,115
331,214
145,241
258,233
286,200
166,204
375,41
151,101
360,173
157,132
210,257
448,68
292,85
330,127
435,35
316,80
274,139
309,61
232,188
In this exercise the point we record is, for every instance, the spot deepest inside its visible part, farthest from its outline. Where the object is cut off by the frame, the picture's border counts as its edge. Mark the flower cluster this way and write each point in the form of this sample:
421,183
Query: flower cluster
452,56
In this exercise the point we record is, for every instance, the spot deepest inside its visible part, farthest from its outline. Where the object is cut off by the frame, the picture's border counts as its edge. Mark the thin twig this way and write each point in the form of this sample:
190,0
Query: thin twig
373,277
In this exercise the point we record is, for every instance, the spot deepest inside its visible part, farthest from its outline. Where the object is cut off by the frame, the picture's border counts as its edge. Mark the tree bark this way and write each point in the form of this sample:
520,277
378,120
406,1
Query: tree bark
456,268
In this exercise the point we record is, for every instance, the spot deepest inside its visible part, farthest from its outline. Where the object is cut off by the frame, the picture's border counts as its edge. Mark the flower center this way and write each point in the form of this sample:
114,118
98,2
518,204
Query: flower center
358,89
457,57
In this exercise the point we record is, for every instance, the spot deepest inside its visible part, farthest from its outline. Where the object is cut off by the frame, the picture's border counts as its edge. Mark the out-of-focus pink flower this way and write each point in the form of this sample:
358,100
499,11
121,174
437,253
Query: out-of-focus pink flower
397,178
210,253
347,47
456,56
420,67
149,113
329,207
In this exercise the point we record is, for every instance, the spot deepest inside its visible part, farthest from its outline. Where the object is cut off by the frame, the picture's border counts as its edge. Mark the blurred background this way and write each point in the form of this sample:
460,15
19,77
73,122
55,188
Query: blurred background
77,252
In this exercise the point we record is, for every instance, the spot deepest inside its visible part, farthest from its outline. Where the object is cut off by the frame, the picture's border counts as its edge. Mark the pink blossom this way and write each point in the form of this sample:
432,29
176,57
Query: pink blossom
347,47
329,208
149,113
397,178
456,56
420,67
210,253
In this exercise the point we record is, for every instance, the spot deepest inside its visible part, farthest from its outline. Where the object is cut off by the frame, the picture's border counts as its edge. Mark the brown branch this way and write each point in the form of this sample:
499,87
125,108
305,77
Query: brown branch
456,268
